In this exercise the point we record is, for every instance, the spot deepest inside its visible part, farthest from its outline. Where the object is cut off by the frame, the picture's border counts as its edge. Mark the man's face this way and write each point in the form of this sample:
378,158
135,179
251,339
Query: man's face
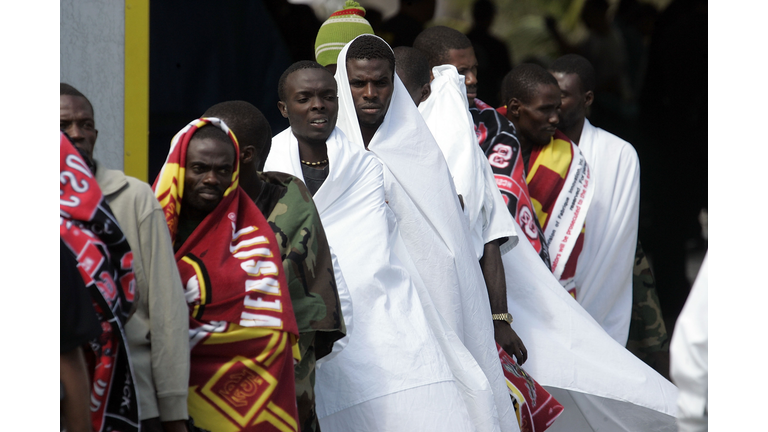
311,104
572,109
208,173
466,64
371,82
538,119
76,119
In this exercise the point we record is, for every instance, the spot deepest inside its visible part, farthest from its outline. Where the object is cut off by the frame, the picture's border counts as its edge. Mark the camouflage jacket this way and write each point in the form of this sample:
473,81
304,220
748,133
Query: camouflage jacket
291,213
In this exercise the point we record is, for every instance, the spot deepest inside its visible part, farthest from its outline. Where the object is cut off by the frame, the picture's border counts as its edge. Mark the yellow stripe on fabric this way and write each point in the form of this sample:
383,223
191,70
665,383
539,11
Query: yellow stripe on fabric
280,349
515,393
207,416
270,418
295,348
136,90
237,333
200,283
272,342
282,414
540,214
555,156
219,400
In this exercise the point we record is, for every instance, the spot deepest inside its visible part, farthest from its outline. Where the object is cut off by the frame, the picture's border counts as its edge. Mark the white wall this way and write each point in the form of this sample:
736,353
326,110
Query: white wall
92,48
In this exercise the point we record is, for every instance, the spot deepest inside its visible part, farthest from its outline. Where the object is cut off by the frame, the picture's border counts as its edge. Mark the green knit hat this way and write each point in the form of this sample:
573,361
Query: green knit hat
338,30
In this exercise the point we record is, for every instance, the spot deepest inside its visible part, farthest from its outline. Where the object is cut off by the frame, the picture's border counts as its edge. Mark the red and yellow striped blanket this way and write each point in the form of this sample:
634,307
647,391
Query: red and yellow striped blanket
243,334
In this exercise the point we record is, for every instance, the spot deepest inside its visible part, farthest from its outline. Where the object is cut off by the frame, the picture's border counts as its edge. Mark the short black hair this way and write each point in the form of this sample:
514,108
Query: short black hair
522,81
412,66
369,47
299,65
67,90
435,42
578,65
248,124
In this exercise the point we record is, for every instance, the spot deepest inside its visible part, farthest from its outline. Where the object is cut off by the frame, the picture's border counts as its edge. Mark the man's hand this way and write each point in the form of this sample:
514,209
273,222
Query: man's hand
175,426
510,341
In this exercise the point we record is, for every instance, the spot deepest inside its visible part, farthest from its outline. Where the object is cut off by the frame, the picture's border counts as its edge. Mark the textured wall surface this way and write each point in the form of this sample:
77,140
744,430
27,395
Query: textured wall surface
92,39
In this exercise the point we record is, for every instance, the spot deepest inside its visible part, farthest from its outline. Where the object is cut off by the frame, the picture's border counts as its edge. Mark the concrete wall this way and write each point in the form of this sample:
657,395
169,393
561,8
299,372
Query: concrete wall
92,39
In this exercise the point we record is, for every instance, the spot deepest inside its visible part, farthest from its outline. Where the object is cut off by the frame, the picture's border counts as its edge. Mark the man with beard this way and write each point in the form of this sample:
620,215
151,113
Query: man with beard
393,374
243,333
287,204
377,113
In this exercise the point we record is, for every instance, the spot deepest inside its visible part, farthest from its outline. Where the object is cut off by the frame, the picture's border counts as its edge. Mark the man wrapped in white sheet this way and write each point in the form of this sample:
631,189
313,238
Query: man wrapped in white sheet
381,117
399,369
604,271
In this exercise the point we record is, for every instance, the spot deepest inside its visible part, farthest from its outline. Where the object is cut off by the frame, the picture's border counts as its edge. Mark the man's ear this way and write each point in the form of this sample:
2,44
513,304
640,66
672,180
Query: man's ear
589,97
513,108
247,154
426,90
283,108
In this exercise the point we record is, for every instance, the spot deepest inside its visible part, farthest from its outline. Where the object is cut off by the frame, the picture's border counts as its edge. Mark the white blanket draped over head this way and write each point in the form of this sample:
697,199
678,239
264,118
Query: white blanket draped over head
601,385
604,271
395,346
446,113
436,235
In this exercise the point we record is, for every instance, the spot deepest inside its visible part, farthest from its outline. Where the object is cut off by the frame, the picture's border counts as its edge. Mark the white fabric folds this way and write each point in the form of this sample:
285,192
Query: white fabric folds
601,385
392,349
446,113
436,235
604,271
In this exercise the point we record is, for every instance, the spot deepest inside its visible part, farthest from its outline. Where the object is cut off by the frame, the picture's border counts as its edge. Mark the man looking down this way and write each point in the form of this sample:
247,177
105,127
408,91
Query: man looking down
243,334
288,207
557,174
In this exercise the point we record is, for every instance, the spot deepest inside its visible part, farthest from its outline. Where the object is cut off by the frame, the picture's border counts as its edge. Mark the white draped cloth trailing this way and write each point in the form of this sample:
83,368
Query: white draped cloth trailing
604,271
435,234
446,113
393,359
601,385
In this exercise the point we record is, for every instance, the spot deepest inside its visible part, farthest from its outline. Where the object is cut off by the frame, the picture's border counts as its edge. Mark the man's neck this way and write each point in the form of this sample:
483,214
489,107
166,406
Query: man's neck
368,134
250,182
574,132
313,151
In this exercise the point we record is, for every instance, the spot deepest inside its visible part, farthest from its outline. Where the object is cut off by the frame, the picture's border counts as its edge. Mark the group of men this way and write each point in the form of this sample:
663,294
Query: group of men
358,270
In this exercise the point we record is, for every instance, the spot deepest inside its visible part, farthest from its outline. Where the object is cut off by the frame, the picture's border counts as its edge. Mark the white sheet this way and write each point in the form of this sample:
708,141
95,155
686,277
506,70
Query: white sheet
604,271
436,235
446,113
599,381
393,348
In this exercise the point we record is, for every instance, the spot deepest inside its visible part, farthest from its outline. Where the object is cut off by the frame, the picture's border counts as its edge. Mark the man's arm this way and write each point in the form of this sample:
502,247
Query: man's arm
74,377
495,281
169,322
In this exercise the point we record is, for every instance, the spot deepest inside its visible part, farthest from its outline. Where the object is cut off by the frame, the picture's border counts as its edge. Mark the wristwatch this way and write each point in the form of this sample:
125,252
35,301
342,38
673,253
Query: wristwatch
506,316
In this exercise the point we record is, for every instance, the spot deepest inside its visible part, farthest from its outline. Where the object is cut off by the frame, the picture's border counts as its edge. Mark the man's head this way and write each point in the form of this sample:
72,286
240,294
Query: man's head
444,45
533,101
413,70
341,27
309,100
371,74
576,78
254,135
76,119
207,171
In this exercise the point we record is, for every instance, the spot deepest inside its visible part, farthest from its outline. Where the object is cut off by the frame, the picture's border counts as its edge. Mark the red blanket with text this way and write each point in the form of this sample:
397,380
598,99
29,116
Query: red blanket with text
243,334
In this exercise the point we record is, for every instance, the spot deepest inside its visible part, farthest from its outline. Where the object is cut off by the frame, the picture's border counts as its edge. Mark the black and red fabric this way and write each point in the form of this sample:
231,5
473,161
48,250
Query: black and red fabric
105,262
